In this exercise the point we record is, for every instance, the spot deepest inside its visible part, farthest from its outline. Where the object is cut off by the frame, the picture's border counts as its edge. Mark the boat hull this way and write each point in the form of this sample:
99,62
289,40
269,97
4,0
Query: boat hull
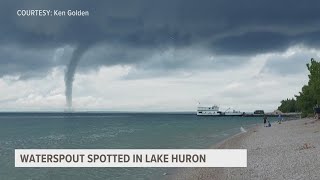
208,113
214,113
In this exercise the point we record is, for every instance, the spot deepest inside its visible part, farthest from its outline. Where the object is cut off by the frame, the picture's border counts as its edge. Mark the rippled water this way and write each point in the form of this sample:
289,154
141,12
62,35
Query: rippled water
103,130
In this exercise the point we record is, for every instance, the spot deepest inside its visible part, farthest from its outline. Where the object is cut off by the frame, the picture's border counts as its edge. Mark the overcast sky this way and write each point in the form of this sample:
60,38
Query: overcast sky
164,55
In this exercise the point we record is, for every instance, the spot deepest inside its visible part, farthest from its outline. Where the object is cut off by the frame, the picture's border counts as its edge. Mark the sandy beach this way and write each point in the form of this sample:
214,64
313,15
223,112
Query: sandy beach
290,150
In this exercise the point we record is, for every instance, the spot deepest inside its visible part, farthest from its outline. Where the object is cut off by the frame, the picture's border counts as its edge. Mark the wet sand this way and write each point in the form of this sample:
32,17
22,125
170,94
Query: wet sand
290,150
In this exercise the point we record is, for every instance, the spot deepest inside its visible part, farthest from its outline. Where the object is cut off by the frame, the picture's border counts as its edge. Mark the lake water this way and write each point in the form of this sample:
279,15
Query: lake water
108,130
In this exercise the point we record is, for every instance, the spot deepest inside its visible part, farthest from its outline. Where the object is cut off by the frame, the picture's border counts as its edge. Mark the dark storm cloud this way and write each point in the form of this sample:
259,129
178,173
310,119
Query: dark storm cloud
158,61
142,28
32,62
247,43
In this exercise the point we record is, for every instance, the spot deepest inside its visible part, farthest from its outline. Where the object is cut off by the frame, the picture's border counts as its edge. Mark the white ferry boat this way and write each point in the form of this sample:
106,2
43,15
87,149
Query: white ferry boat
214,111
208,111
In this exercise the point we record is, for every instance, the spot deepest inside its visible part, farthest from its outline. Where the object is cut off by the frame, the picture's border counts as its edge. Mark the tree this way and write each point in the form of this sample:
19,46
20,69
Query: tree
309,96
314,79
288,105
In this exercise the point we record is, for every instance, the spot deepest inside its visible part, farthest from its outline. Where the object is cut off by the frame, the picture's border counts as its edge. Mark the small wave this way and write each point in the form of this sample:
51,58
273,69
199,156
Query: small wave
54,137
242,130
225,134
110,133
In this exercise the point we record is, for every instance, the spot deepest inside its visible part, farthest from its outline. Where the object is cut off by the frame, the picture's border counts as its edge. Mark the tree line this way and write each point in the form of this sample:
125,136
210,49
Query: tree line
309,96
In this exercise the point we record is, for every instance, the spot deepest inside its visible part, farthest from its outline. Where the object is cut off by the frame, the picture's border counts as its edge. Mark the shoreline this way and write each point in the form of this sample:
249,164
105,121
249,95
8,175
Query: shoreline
289,150
221,144
188,173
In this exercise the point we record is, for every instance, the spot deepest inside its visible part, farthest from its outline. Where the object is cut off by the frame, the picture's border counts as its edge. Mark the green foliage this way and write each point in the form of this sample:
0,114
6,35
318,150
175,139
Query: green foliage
309,96
314,79
288,105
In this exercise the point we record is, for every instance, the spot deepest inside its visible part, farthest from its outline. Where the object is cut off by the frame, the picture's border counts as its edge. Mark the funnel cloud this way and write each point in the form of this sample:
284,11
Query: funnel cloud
70,72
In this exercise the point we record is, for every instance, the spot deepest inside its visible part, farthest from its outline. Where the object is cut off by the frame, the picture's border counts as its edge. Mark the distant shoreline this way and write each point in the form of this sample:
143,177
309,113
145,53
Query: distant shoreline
94,112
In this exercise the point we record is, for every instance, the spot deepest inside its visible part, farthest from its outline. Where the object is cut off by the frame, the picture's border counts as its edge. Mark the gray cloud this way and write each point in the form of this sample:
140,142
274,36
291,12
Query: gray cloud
136,31
291,64
31,62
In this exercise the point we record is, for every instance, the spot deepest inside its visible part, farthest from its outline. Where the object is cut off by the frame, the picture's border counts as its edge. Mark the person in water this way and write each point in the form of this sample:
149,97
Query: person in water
265,121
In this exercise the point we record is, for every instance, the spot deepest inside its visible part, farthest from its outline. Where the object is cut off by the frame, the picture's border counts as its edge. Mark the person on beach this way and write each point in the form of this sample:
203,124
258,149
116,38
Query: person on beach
269,124
265,121
279,119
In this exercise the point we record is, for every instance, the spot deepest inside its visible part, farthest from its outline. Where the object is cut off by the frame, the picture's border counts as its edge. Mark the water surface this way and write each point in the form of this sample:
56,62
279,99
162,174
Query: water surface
107,130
